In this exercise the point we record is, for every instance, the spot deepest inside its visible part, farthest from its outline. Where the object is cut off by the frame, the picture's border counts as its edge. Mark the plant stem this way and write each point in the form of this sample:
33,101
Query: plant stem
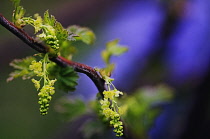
22,35
41,48
44,68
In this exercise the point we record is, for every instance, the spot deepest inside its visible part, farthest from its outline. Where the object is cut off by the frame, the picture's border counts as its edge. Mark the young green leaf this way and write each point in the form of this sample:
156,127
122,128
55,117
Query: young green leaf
113,49
49,20
61,33
67,50
37,23
67,79
16,2
18,14
85,34
106,71
22,68
106,56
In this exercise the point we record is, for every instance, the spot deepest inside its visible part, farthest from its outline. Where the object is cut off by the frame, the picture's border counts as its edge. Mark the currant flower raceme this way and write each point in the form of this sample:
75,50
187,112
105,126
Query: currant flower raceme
48,89
46,29
110,109
44,74
45,96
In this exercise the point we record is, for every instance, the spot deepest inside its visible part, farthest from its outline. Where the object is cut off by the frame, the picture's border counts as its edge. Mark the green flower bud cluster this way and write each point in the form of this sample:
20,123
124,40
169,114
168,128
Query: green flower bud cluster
48,89
52,41
118,125
48,31
36,83
45,96
46,28
110,110
36,67
49,36
112,94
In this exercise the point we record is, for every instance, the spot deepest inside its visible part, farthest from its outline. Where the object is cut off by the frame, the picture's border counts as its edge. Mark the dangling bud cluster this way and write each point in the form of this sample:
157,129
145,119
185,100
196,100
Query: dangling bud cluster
110,109
46,29
52,41
45,96
47,90
49,36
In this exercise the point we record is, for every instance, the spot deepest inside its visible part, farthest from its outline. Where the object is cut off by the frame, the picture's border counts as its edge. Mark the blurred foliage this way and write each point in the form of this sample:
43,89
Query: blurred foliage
140,112
143,107
70,109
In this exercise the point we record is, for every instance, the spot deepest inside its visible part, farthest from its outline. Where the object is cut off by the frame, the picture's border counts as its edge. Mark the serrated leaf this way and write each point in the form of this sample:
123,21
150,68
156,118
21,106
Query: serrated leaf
61,33
50,20
84,34
67,79
18,13
21,67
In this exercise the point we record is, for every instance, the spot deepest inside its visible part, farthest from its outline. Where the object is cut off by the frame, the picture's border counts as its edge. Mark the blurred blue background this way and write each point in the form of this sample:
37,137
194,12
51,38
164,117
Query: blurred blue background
168,42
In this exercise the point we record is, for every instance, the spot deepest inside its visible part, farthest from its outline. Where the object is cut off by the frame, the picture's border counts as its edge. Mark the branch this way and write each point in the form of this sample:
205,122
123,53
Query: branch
22,35
82,68
78,67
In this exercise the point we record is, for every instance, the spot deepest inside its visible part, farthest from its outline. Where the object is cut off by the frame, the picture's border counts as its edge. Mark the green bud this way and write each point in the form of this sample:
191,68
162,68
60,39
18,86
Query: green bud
49,98
45,101
115,125
52,92
119,132
36,83
47,105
